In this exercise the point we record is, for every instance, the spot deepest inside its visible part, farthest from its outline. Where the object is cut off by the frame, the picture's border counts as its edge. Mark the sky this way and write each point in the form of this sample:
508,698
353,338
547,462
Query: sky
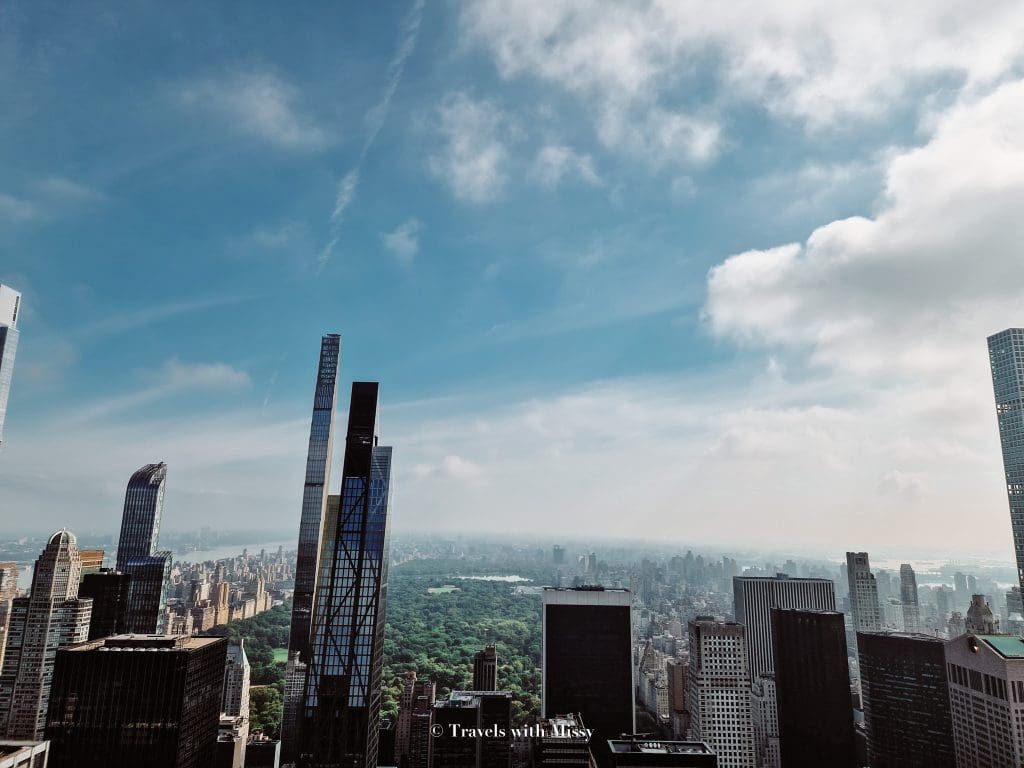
715,272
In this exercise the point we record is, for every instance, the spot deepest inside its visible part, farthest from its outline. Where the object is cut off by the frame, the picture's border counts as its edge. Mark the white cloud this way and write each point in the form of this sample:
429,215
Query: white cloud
474,156
16,209
259,104
63,190
556,162
404,241
636,64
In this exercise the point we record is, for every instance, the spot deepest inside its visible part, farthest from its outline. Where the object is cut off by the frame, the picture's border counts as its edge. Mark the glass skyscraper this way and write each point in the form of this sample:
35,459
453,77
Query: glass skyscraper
10,303
341,703
1006,356
137,553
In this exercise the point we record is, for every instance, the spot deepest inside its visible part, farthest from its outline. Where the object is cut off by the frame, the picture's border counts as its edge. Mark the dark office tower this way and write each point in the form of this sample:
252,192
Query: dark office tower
10,303
587,659
485,669
473,730
135,700
1006,357
109,592
341,704
50,618
137,553
754,597
812,689
906,700
314,495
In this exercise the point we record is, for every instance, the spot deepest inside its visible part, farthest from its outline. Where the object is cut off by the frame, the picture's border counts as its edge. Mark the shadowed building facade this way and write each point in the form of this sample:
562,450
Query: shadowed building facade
341,703
149,570
137,700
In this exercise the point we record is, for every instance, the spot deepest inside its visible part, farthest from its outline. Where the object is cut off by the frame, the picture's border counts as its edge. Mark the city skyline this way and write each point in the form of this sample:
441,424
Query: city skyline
823,360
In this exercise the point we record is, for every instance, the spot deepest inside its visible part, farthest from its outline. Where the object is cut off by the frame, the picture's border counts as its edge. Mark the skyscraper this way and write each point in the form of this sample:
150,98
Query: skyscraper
137,555
314,495
51,617
136,700
485,669
10,304
109,592
341,704
906,700
415,716
754,597
488,743
864,605
1006,358
720,695
587,658
812,684
908,596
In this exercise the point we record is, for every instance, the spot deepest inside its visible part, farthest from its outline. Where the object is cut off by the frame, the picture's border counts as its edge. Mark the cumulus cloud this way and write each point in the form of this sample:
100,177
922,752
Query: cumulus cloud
403,241
260,104
642,67
473,157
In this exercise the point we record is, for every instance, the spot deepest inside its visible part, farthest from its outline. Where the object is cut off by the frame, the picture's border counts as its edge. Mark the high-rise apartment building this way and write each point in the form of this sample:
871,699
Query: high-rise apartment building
137,554
676,670
909,599
485,669
235,691
906,700
764,710
812,689
50,618
864,605
108,590
720,695
754,597
1006,358
137,700
10,305
415,716
473,729
587,658
986,696
341,704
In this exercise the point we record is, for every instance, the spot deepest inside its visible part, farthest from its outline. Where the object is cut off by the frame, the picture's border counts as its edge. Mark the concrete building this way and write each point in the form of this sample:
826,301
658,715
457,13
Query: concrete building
415,716
472,729
24,754
864,605
765,715
719,691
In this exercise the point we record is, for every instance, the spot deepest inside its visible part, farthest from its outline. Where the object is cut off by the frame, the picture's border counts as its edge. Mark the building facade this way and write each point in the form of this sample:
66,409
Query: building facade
10,307
864,605
909,599
812,684
50,618
415,716
137,555
1006,359
341,703
108,590
720,691
472,729
906,700
587,658
986,695
764,711
754,597
485,669
131,700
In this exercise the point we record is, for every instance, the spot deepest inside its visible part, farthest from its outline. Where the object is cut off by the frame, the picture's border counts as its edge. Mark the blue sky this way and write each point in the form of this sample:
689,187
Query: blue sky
724,274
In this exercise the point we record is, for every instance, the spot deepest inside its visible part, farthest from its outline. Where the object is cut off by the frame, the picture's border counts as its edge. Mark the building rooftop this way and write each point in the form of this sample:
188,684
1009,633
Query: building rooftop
1007,646
123,643
655,747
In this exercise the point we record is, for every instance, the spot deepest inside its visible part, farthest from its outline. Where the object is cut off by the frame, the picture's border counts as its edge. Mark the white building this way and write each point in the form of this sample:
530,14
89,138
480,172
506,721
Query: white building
719,691
867,614
986,695
765,715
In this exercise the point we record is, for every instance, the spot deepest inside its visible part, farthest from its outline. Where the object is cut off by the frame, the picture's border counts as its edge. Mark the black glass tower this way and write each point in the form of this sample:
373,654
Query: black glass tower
109,592
137,555
341,704
812,685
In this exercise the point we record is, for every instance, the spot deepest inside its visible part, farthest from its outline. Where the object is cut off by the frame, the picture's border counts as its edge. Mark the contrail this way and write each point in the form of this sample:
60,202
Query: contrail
375,121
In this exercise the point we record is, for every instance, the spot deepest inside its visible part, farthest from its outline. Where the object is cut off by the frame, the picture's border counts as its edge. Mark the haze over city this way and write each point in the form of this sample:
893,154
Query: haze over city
727,283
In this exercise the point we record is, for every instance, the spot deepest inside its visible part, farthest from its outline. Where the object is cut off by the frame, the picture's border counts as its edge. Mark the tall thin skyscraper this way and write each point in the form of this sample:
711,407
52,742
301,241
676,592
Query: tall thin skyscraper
10,304
1006,357
908,596
342,698
485,669
314,495
754,597
864,605
149,570
50,618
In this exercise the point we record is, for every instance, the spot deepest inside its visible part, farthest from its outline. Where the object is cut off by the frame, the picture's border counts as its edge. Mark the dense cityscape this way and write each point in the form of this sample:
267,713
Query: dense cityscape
353,650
